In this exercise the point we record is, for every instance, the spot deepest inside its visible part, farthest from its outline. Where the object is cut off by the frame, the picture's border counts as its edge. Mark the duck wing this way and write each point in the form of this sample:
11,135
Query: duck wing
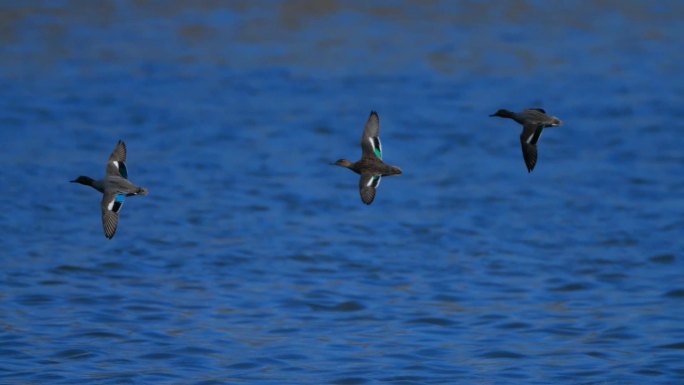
111,205
370,140
367,187
528,140
116,164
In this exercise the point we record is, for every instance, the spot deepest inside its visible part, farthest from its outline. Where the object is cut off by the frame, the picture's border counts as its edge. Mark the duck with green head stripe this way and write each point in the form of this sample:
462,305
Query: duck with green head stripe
370,167
533,120
115,187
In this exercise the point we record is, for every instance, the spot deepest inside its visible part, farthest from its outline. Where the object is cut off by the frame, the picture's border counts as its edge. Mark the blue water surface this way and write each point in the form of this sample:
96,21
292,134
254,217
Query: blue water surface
254,261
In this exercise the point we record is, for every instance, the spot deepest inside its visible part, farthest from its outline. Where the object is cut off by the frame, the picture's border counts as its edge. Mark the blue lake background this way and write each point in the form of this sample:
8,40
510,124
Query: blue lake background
253,260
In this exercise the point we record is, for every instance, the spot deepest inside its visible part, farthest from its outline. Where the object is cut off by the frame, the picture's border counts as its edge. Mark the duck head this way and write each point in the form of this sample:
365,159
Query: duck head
555,122
503,113
343,163
86,180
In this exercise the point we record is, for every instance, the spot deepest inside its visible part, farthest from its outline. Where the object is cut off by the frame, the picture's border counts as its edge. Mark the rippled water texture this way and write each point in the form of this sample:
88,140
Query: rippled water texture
253,259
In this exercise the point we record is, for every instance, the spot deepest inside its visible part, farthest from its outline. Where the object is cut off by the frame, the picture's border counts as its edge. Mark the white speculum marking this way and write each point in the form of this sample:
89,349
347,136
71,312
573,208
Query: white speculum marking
376,146
374,181
110,206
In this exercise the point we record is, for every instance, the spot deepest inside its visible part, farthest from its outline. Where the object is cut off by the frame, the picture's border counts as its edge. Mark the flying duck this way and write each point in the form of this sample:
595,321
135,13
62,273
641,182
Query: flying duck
533,120
370,167
115,187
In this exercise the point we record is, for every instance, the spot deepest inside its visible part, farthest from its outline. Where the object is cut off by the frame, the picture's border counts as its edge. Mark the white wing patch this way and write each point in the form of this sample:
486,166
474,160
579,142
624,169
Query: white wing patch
374,181
115,204
529,139
376,145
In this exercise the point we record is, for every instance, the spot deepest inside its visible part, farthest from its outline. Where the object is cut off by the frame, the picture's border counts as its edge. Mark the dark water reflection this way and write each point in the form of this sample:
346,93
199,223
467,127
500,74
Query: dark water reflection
254,261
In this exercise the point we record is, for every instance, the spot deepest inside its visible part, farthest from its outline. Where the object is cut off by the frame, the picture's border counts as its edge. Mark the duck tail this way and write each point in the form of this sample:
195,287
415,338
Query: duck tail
142,191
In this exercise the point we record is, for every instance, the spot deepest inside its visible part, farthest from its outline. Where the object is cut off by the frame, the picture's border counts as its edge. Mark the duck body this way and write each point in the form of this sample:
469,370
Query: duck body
115,187
111,183
370,166
533,120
